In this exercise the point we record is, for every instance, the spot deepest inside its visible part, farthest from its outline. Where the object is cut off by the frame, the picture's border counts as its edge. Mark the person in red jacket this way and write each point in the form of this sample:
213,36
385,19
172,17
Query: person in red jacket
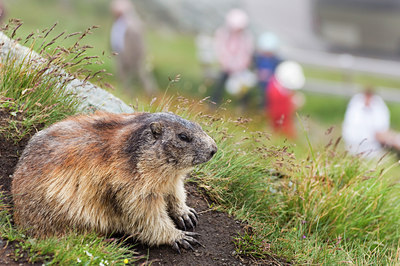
282,101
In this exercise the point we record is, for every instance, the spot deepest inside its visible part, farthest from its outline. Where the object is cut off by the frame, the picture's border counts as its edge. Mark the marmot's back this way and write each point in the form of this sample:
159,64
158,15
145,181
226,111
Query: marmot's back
109,173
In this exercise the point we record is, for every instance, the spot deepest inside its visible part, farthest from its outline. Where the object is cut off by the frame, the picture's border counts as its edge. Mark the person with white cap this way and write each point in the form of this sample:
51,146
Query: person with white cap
128,42
283,102
233,48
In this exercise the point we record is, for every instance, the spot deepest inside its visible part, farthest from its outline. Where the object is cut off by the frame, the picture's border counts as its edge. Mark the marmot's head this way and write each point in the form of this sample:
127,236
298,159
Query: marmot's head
171,139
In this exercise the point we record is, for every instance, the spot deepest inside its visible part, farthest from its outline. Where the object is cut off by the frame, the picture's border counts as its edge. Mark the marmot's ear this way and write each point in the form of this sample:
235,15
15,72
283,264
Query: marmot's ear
156,129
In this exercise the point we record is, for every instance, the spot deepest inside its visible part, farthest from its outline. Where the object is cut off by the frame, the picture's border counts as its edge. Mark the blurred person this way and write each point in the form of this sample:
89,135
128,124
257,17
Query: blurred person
233,49
283,101
2,11
128,41
266,59
366,117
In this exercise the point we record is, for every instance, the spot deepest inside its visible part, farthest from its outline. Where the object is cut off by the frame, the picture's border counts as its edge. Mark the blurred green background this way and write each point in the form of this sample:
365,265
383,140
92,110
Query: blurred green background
172,52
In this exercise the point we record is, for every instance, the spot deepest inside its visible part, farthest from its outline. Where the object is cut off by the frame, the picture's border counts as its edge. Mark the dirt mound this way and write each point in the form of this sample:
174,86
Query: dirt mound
217,229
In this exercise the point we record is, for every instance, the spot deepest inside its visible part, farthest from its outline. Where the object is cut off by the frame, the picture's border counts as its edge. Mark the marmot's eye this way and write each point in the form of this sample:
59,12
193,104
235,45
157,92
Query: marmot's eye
184,137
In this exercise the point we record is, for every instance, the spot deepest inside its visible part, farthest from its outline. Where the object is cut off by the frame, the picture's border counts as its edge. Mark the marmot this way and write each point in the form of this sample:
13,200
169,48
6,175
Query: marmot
111,173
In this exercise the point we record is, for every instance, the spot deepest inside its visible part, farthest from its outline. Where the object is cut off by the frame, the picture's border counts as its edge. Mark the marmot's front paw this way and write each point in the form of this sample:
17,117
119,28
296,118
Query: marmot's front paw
186,241
188,220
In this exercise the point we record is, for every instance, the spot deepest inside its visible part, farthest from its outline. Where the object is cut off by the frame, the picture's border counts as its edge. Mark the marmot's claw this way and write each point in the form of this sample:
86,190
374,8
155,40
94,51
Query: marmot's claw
195,241
186,245
188,222
193,218
190,237
193,234
176,247
194,212
186,242
180,223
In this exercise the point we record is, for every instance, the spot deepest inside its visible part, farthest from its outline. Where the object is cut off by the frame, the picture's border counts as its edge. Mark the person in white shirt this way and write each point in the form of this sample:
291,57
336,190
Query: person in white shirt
366,116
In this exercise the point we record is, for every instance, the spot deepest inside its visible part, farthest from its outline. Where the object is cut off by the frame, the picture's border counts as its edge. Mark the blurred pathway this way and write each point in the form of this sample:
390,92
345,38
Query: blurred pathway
347,90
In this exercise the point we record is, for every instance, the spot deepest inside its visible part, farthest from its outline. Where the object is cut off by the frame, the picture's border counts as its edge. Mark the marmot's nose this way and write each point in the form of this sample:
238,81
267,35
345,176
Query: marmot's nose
213,151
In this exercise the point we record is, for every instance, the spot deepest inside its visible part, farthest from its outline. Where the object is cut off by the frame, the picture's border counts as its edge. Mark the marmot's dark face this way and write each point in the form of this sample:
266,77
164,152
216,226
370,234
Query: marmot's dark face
174,141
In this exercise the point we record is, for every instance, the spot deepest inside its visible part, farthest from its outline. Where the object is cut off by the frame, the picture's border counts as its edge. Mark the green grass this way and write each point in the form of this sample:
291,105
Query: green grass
321,207
34,94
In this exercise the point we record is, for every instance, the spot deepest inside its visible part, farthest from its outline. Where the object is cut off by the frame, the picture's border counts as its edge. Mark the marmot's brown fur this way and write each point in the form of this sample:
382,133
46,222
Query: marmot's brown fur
111,173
